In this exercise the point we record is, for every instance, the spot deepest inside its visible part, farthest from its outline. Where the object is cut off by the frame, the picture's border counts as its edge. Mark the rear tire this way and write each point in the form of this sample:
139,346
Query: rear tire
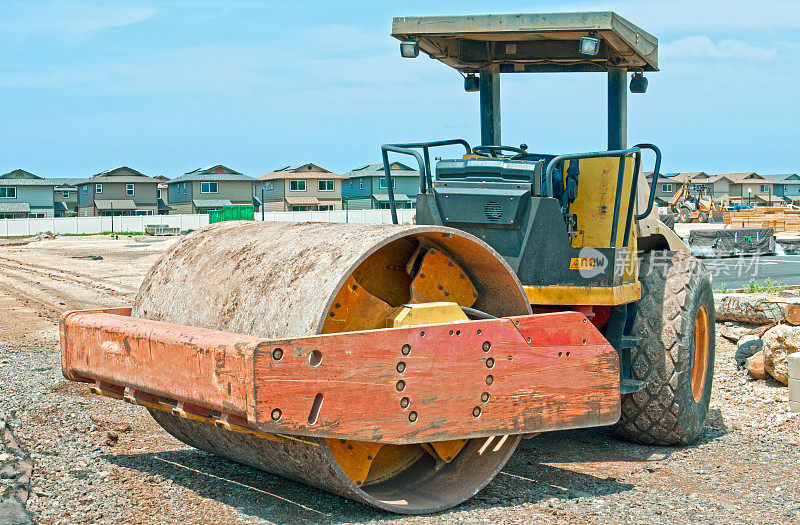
675,355
686,215
702,216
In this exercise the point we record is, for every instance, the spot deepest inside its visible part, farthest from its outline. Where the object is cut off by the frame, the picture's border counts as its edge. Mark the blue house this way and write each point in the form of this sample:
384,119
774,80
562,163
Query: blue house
786,185
23,194
366,188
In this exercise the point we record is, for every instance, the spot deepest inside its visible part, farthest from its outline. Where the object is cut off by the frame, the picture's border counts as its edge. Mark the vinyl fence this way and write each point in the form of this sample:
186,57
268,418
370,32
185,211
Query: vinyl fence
137,223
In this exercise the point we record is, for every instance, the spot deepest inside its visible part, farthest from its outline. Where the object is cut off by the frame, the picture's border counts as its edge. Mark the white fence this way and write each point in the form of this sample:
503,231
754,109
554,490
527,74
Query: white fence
404,216
137,223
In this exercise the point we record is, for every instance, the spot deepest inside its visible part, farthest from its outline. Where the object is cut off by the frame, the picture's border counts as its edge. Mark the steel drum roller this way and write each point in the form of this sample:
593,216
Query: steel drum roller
283,280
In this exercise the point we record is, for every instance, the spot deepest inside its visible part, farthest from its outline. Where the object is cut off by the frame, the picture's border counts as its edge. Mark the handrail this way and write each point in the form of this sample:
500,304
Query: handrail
656,168
424,161
577,156
621,155
385,149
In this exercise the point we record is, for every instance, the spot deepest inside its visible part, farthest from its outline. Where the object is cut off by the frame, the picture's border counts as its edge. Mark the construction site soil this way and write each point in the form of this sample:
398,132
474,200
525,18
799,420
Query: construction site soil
97,460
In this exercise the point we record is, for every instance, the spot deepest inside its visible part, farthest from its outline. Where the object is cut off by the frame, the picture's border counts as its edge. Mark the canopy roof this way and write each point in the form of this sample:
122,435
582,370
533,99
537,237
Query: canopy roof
115,204
530,42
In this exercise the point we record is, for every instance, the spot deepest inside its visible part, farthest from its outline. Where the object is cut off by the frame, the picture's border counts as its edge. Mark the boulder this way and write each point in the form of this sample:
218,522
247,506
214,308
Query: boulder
755,366
779,342
747,346
731,332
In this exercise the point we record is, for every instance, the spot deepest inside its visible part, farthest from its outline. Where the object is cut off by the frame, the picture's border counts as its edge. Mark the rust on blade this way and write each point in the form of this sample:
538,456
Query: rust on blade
412,384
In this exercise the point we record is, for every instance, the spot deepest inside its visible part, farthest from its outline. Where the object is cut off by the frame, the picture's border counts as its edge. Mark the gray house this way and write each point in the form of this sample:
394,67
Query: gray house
118,191
366,187
65,197
23,194
211,188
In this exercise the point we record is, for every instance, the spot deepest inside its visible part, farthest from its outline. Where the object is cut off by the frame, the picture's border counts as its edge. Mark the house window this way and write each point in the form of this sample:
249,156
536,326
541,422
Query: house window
301,208
325,185
8,192
765,188
143,212
351,185
86,190
666,188
98,188
382,183
129,190
297,185
208,187
158,193
398,205
325,207
361,184
36,215
270,186
65,195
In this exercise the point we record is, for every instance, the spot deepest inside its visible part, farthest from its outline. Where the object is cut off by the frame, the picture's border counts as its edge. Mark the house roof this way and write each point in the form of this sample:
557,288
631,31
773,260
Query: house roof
398,197
195,176
398,169
19,174
305,171
214,173
162,206
115,204
27,182
769,198
211,203
25,178
121,174
749,176
781,178
59,206
302,201
14,207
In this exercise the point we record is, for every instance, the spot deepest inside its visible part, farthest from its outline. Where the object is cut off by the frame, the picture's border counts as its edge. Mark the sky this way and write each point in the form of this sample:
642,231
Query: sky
169,86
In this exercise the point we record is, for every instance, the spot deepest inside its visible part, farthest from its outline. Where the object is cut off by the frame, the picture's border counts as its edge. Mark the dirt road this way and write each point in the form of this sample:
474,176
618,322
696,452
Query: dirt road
101,461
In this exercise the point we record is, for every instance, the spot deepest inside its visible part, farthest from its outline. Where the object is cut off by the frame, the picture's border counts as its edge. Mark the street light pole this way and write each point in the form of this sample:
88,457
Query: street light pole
262,203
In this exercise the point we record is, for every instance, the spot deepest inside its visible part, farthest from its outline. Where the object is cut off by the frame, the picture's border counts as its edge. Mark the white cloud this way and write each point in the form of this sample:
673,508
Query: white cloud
72,19
701,46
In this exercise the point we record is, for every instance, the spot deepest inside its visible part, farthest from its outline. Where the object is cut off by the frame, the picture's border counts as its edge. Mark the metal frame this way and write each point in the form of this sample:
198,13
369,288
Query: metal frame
424,161
517,375
636,152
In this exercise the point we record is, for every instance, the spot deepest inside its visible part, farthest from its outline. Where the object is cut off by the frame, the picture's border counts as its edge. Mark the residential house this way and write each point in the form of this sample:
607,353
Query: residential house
300,188
23,194
211,188
726,188
163,205
65,197
750,187
669,183
366,188
786,186
118,191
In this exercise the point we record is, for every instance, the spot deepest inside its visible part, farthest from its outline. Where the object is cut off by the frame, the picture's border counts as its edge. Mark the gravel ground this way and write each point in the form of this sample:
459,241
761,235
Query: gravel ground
96,460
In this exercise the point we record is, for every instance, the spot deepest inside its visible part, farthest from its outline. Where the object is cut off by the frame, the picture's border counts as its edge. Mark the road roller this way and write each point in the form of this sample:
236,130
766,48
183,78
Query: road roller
400,365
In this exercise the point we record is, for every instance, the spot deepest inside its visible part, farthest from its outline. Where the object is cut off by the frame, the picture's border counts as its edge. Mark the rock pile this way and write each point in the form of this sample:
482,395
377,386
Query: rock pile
16,467
767,355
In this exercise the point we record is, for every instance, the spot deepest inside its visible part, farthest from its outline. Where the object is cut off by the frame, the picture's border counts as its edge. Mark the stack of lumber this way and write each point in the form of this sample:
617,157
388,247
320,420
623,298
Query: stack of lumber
779,219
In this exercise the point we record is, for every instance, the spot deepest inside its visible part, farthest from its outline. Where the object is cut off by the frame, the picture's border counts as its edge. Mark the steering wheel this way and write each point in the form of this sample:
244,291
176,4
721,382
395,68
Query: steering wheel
495,151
